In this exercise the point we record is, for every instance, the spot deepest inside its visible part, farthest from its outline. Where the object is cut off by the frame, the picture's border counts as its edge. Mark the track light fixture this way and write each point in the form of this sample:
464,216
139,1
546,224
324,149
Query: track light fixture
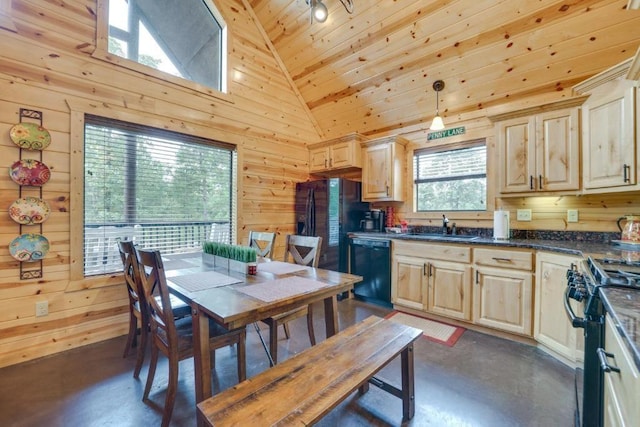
437,123
319,11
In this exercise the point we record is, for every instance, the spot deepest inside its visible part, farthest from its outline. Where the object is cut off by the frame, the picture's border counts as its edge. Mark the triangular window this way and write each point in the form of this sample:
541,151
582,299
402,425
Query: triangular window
184,38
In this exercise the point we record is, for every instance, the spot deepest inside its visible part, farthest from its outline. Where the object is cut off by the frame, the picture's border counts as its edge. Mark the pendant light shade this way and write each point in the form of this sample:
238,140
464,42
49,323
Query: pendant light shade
437,123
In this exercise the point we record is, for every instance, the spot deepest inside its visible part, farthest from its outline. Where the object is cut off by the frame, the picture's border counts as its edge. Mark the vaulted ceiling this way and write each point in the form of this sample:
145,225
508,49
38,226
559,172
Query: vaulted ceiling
372,71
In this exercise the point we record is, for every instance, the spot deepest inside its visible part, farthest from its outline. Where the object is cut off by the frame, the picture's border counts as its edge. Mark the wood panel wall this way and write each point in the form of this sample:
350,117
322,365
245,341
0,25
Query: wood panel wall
46,64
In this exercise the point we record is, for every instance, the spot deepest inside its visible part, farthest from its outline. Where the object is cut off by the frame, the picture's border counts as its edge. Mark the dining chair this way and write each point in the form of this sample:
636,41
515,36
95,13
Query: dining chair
303,250
138,311
174,337
262,242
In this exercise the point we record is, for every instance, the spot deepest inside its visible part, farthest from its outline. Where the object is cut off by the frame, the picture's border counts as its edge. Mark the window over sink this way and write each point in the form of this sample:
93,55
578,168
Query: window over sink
451,179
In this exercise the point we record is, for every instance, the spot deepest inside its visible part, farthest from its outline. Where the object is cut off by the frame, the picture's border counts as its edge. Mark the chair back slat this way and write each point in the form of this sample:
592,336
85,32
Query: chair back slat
131,273
154,282
262,242
304,250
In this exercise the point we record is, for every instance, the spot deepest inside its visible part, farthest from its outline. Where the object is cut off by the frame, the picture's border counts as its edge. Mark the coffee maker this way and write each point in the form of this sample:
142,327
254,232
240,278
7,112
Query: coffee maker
373,221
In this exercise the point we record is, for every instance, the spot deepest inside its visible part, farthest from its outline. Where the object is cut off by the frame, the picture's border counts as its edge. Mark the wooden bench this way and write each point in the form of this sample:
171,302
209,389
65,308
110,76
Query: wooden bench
306,387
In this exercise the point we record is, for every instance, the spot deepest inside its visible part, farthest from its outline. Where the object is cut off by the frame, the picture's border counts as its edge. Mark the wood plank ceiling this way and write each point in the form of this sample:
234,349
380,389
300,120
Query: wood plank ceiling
372,71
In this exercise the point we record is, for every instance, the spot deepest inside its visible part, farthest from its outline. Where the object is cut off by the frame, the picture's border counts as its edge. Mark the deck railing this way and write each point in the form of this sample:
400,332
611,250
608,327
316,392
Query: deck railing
100,240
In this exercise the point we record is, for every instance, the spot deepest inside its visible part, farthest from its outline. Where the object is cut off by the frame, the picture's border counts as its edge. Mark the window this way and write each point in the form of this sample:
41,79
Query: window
184,38
451,179
163,190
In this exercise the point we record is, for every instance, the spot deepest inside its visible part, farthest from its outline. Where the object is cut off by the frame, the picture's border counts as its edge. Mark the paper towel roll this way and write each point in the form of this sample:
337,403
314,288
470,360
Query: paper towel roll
501,225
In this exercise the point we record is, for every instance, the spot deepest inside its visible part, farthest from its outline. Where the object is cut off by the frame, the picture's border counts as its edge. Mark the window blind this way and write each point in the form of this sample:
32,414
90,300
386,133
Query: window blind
163,190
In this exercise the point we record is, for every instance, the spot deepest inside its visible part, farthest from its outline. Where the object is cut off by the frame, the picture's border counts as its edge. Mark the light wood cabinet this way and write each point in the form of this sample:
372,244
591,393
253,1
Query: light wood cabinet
621,388
539,152
432,278
551,326
383,169
609,120
336,155
502,295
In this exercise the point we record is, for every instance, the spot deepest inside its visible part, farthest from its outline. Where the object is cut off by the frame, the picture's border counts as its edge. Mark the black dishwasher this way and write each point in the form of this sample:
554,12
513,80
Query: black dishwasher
371,259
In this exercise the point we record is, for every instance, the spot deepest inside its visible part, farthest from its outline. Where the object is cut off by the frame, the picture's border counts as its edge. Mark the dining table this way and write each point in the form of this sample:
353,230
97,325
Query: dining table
235,300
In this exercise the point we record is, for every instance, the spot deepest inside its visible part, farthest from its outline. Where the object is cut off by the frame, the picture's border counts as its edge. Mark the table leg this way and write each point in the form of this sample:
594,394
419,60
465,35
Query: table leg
331,315
201,355
408,391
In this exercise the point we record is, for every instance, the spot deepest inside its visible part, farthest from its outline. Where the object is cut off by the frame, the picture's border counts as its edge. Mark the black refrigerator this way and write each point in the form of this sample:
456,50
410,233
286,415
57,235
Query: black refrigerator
330,208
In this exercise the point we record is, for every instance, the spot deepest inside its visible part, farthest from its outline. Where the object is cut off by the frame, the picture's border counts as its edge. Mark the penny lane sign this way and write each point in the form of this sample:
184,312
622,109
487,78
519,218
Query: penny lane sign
445,133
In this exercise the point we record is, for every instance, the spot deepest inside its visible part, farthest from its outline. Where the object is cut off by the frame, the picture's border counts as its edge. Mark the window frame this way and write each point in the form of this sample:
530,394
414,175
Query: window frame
78,109
102,52
446,148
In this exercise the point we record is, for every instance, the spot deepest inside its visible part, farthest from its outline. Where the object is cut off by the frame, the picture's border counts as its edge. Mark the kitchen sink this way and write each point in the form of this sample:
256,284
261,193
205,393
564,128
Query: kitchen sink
437,236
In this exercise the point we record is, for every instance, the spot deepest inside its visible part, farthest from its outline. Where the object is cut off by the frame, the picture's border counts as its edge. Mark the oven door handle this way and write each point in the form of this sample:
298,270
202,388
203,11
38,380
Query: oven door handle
576,322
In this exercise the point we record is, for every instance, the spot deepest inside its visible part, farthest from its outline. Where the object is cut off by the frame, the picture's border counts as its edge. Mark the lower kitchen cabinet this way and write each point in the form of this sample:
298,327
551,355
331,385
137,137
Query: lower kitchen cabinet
621,386
552,328
409,282
503,290
428,283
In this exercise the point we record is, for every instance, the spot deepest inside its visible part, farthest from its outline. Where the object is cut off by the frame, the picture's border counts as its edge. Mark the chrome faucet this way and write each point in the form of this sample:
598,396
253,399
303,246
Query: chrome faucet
445,224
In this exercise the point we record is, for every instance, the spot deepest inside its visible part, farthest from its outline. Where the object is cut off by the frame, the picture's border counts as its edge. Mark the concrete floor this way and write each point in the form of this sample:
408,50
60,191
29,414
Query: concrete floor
481,381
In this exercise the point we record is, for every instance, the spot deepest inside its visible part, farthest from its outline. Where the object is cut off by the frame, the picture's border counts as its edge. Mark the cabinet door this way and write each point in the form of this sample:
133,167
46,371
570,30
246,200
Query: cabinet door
551,324
557,151
409,282
517,162
608,139
319,159
341,155
502,299
449,289
376,173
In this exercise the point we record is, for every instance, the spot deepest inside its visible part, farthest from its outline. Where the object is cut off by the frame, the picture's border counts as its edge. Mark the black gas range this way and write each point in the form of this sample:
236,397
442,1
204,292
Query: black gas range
584,283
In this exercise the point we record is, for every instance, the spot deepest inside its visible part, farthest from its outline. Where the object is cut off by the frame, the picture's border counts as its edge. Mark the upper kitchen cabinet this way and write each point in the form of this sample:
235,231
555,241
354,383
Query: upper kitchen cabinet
383,169
337,155
610,158
538,148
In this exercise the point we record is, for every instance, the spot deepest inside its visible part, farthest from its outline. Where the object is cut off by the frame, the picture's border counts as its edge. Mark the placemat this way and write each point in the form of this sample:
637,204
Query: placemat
204,280
277,289
177,264
279,267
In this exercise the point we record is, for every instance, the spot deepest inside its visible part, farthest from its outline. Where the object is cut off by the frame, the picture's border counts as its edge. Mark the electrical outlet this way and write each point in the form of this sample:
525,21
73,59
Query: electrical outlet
42,308
523,214
572,215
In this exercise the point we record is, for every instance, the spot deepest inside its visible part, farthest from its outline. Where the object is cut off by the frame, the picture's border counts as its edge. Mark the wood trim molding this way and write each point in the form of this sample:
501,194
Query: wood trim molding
610,74
354,136
558,105
634,69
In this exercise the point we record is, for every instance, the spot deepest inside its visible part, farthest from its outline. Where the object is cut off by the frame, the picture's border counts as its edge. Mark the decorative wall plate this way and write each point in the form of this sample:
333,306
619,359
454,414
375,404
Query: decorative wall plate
29,247
30,136
29,211
29,172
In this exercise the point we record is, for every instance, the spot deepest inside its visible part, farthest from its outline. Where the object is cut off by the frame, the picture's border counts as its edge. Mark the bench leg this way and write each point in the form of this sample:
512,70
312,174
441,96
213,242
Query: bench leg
408,391
363,388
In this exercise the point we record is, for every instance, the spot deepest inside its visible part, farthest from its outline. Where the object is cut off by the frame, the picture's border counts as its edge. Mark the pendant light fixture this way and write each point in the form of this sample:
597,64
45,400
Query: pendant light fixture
437,123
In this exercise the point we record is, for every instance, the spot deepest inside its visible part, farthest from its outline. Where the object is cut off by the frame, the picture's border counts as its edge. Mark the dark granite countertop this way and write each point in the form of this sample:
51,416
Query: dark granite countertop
622,304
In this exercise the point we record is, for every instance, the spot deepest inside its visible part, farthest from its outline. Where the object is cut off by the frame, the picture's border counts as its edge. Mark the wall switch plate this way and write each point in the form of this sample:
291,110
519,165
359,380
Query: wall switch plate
523,215
572,215
42,308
